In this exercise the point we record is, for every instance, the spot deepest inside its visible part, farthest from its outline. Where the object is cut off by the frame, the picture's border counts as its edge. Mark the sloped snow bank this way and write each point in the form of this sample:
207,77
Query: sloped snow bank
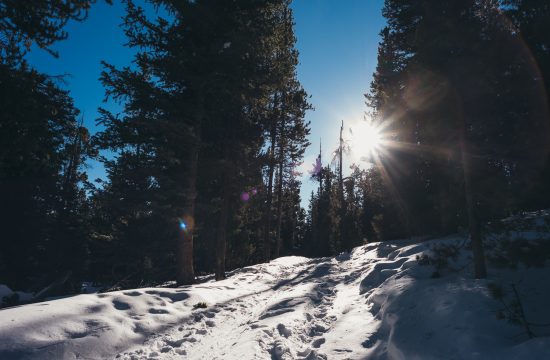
98,326
453,316
8,296
406,299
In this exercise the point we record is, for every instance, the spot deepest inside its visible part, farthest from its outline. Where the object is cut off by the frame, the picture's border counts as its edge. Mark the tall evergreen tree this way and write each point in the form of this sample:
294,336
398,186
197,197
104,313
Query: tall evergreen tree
196,109
42,149
450,80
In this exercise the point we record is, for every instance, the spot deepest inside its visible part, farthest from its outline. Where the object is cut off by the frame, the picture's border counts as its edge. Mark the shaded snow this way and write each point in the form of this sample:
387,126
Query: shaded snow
5,291
375,303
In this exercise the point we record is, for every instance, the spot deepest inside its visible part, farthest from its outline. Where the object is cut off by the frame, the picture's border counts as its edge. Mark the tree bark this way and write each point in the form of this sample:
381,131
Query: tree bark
185,273
221,236
480,270
269,200
278,241
341,189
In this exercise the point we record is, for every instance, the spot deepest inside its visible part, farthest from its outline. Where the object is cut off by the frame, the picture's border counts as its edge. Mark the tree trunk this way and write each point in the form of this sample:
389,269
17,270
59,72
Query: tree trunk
221,236
480,270
228,181
185,273
321,172
341,191
293,234
269,200
279,201
269,203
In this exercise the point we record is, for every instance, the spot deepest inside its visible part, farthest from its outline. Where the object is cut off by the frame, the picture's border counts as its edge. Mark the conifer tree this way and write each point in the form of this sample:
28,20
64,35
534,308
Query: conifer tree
42,150
285,129
452,84
196,108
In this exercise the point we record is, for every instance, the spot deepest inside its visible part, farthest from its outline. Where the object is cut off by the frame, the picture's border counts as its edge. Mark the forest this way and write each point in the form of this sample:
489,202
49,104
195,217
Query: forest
203,160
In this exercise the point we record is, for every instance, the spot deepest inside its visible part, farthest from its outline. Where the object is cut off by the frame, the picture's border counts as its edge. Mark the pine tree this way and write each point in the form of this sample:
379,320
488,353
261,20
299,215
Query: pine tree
196,108
285,128
23,23
43,147
454,85
531,41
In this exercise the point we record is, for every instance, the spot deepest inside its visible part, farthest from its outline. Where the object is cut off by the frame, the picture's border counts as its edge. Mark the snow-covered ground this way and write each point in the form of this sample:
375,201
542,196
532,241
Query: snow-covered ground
381,301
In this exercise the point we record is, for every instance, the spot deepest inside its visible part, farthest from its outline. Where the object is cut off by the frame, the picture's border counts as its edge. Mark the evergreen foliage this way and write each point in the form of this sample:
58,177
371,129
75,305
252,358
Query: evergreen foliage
42,151
215,85
202,160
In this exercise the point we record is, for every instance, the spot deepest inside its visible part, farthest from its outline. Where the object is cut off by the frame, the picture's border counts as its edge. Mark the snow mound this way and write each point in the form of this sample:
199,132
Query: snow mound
5,291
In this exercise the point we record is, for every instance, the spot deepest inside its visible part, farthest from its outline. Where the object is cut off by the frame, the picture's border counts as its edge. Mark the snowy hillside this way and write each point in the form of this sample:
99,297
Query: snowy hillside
392,300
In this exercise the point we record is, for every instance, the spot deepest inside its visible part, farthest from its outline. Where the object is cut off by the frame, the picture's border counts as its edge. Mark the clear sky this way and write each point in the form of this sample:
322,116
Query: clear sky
338,44
337,40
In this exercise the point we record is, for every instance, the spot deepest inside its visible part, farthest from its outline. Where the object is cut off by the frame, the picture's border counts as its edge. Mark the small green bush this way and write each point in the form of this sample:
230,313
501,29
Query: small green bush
200,305
439,257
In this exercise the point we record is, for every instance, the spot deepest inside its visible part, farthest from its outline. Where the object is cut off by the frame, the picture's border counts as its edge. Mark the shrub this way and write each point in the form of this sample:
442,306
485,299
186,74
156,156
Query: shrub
200,305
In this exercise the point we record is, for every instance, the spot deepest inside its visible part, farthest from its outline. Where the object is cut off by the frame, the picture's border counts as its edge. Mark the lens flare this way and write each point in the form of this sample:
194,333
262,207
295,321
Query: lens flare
183,225
245,196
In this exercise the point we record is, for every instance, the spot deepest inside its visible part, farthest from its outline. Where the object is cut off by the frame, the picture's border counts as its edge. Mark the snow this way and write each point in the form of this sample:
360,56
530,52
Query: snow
377,302
5,291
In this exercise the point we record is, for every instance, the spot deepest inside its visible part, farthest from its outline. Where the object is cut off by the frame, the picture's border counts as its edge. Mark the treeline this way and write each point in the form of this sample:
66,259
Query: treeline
211,110
202,161
201,171
460,94
43,145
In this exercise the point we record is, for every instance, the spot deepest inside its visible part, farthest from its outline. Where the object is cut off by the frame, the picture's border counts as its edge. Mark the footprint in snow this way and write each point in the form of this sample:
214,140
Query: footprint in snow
158,311
121,305
210,323
318,342
321,314
313,355
317,330
283,330
95,308
257,326
172,296
209,314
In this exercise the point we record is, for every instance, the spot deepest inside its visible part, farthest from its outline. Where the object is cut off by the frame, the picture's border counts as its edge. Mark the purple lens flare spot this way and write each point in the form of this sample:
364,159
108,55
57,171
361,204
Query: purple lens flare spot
245,196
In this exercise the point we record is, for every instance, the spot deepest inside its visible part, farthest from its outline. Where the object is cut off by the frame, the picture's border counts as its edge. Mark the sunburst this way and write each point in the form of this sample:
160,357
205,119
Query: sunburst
367,140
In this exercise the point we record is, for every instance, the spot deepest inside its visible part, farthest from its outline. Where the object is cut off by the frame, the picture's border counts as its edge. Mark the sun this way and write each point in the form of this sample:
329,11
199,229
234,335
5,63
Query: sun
366,139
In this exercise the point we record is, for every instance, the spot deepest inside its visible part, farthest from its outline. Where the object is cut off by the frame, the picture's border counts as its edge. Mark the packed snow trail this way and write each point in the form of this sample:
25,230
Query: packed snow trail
377,302
286,320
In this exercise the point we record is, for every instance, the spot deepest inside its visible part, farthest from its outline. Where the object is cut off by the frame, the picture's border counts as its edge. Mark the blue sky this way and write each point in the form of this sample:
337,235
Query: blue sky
337,40
338,44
